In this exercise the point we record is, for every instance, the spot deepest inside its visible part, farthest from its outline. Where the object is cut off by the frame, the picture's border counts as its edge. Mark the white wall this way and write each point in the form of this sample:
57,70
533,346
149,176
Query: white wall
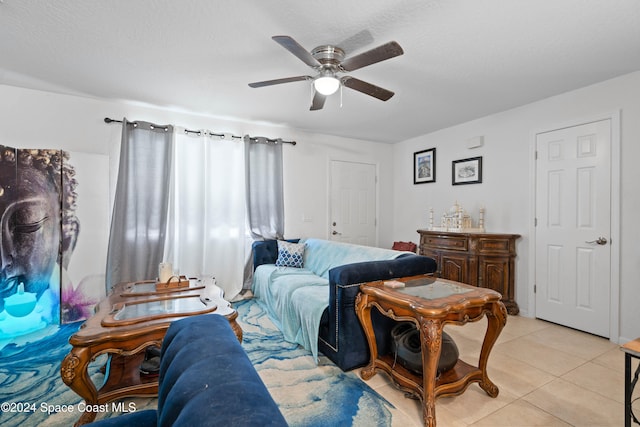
506,188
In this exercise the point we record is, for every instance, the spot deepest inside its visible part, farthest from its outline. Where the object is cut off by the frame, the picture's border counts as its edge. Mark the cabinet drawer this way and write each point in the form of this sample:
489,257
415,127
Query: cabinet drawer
446,242
494,246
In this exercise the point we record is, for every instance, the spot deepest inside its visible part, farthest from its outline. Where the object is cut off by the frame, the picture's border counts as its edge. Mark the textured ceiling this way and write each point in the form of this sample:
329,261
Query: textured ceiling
463,59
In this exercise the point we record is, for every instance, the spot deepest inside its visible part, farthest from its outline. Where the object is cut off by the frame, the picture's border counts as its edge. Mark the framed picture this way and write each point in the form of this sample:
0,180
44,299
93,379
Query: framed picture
466,171
424,166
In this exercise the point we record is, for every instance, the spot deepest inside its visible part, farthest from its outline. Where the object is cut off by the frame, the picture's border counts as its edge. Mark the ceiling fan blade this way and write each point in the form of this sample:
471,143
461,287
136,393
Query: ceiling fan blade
380,53
356,41
280,81
367,88
294,47
318,101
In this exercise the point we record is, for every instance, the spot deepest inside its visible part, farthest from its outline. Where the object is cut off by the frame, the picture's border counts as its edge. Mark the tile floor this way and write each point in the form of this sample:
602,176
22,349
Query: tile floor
548,375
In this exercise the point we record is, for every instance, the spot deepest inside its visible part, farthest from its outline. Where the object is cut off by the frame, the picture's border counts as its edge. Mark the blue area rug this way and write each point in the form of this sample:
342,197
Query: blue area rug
308,394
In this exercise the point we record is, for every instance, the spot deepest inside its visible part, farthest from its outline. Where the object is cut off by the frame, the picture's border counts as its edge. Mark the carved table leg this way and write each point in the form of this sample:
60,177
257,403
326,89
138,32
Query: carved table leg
234,325
74,374
363,311
431,333
496,320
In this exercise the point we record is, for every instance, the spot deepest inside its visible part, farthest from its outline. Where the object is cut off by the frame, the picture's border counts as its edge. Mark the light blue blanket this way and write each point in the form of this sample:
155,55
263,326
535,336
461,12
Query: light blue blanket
295,298
275,287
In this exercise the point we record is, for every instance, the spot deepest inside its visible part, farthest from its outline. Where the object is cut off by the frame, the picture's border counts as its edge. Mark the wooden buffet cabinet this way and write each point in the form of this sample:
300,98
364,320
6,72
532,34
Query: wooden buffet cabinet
485,260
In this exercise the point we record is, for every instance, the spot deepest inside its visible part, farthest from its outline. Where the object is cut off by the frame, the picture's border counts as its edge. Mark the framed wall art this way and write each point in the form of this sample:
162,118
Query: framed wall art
424,166
466,171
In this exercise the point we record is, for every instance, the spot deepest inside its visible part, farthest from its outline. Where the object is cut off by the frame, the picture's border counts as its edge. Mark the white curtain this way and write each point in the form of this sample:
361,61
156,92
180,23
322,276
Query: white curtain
206,225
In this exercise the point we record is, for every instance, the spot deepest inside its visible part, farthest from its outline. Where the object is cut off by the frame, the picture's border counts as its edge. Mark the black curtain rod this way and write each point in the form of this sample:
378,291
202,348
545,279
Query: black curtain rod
220,135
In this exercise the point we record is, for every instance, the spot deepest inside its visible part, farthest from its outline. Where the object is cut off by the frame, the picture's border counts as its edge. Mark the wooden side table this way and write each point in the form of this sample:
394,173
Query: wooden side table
431,303
631,350
133,317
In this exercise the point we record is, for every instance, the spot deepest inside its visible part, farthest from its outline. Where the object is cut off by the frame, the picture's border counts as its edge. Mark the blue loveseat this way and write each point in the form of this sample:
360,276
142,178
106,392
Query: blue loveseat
206,379
314,306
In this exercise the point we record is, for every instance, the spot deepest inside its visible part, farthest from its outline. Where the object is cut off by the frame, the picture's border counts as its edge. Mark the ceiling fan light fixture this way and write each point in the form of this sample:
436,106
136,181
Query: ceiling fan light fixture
326,85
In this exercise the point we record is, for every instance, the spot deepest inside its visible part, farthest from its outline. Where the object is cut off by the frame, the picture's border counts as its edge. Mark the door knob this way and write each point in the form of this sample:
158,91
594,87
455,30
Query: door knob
599,241
335,233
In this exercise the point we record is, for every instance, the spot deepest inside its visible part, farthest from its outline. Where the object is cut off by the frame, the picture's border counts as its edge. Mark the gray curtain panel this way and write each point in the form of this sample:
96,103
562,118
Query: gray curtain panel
139,220
265,200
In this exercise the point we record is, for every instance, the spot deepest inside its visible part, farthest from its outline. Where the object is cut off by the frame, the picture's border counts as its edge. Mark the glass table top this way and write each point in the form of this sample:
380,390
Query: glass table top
160,307
430,288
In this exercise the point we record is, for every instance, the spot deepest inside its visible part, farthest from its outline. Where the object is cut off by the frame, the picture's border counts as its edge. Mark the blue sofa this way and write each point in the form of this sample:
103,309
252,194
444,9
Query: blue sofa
206,379
321,295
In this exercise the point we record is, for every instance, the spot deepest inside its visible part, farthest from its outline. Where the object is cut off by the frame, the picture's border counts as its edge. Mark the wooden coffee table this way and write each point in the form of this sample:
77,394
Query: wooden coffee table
133,317
431,303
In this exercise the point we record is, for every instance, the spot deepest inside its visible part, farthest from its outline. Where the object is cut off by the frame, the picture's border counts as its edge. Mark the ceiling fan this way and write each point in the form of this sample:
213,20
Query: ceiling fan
328,61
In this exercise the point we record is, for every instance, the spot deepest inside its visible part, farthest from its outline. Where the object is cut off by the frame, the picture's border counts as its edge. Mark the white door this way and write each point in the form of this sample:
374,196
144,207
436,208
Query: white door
573,214
353,203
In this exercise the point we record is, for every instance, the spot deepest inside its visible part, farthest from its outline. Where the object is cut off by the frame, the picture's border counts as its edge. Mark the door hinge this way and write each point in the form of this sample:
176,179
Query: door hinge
535,288
535,222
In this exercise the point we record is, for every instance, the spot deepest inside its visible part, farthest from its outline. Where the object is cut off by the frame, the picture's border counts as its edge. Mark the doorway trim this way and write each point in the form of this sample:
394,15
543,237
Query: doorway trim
614,294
